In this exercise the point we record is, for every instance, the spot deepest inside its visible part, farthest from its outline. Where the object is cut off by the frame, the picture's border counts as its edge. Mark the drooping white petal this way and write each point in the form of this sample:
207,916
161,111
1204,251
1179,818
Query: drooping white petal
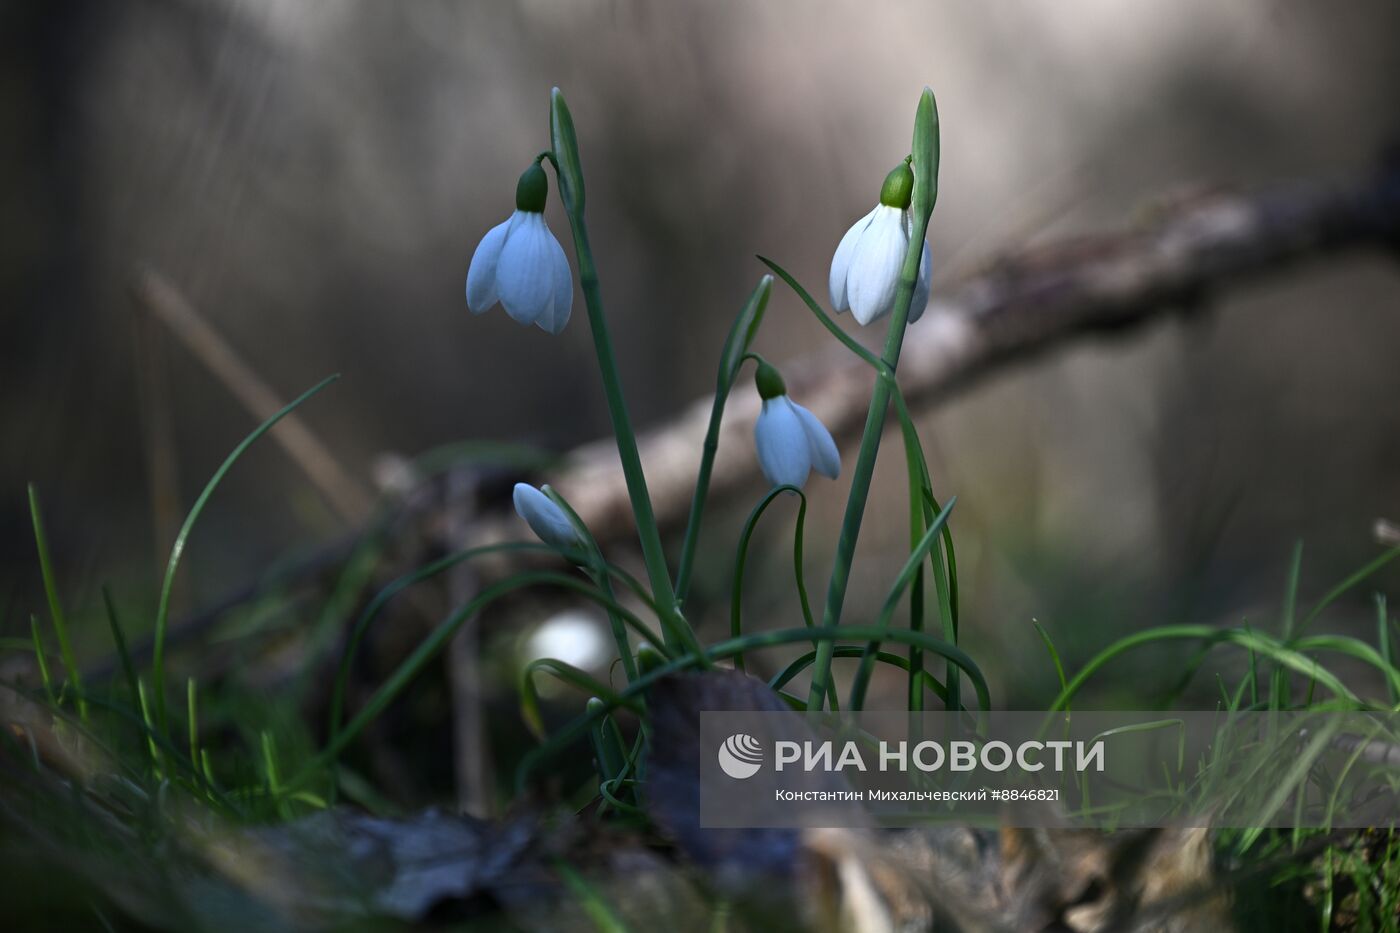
524,274
826,459
783,450
562,291
841,262
481,274
546,520
875,262
921,287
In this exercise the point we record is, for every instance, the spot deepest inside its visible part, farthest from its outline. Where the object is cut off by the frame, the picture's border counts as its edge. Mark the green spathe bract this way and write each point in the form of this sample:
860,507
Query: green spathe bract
532,191
768,381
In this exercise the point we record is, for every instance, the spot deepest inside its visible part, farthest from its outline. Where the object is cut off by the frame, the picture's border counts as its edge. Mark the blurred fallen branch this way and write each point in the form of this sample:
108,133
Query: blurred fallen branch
1023,303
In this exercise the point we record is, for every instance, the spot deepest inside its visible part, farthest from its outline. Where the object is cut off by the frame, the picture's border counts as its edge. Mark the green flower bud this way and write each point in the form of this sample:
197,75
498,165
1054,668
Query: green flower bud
648,658
769,381
533,190
898,190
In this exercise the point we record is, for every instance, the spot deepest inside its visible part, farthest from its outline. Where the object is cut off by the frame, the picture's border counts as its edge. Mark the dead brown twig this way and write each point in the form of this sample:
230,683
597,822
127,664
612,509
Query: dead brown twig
167,304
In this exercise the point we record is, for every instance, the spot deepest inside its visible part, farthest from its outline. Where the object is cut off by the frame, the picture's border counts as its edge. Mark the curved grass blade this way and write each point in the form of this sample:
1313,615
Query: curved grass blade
855,651
60,620
1054,654
1354,648
1341,588
182,538
1249,640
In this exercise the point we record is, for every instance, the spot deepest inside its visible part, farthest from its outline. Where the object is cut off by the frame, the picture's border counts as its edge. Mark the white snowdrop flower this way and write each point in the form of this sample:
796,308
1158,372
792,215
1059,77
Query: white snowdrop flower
546,519
865,269
520,264
791,442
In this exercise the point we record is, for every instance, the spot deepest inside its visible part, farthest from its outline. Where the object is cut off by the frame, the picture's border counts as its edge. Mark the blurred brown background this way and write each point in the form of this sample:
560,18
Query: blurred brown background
316,176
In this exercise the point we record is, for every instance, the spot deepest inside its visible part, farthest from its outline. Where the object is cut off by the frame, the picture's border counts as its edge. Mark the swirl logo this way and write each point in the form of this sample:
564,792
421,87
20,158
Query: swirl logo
740,756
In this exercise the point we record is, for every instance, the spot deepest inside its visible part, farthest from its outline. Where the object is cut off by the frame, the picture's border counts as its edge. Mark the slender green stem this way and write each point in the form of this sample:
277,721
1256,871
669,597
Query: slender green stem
741,558
647,532
925,173
736,589
658,575
601,579
697,501
860,492
597,569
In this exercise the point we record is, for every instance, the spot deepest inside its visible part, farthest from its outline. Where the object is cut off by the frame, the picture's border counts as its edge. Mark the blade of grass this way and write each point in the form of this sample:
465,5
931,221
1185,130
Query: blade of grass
1246,639
119,639
1278,689
182,539
41,660
1354,648
1383,640
1341,589
60,620
151,746
192,714
605,920
1054,655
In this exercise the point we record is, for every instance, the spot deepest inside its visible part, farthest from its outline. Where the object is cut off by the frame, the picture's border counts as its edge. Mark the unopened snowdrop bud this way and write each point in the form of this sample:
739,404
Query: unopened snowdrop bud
865,269
648,658
791,442
520,264
546,519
